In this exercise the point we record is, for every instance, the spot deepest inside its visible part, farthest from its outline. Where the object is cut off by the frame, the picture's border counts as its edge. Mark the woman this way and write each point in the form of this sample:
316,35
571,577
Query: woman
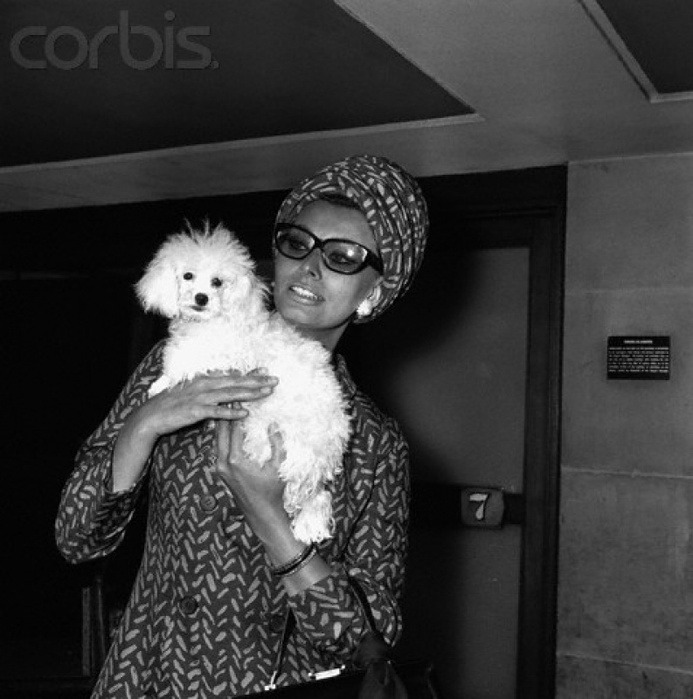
221,568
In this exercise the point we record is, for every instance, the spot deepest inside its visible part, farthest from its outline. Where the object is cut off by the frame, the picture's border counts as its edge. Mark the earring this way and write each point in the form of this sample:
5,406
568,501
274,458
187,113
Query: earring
364,309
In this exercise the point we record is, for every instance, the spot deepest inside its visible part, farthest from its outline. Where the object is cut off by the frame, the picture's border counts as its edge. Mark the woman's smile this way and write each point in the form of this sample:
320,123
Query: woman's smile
304,295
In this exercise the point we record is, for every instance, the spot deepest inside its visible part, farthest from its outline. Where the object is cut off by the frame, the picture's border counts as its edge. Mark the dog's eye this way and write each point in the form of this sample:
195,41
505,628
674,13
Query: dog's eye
188,276
216,282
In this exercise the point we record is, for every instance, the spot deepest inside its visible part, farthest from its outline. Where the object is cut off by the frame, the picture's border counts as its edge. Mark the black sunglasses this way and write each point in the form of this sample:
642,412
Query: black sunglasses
342,256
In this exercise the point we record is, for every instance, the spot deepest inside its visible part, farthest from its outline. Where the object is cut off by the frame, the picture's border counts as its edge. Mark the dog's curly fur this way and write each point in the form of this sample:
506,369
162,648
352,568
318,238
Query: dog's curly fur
204,282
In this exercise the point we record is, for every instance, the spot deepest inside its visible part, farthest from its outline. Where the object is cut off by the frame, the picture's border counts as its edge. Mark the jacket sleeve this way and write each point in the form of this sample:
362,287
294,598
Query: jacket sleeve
91,518
328,613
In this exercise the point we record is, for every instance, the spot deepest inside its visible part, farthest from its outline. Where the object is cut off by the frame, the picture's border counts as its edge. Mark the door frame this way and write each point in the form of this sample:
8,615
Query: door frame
540,194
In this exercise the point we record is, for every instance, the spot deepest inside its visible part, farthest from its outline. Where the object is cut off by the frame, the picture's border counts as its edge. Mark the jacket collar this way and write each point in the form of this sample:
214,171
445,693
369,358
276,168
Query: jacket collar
344,377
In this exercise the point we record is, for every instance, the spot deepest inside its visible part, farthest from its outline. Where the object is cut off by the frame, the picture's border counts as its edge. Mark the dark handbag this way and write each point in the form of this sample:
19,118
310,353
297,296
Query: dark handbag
370,674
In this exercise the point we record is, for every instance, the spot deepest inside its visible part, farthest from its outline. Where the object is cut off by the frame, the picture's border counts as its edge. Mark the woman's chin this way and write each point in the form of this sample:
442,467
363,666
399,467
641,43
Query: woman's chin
299,314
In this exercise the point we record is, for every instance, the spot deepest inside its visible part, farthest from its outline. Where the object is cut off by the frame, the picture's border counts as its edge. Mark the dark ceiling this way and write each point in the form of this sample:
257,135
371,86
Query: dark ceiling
105,102
88,79
659,34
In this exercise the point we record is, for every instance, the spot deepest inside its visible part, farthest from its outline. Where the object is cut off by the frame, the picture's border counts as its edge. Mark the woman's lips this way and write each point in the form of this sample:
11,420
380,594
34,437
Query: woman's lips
304,294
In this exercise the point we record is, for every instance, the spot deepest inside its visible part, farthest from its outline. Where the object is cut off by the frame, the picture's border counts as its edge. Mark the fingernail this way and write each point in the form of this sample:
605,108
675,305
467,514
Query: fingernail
265,390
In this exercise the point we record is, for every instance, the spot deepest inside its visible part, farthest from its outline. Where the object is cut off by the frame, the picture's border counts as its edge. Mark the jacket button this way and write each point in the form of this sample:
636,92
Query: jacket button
208,503
276,622
188,605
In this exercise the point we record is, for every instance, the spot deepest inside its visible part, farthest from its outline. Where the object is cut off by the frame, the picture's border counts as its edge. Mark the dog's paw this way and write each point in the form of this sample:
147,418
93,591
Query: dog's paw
314,522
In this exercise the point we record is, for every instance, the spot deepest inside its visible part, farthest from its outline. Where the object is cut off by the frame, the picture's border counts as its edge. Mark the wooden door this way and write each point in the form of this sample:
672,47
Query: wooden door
469,364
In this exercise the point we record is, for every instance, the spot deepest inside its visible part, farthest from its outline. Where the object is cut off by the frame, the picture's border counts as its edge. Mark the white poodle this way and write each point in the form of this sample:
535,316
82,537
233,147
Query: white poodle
204,281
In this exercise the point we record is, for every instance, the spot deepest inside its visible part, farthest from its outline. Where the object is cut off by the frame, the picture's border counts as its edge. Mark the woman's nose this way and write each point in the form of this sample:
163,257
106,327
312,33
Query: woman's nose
312,263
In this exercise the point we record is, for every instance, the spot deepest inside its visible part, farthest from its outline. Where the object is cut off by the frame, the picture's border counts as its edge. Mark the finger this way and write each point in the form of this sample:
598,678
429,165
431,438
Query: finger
243,388
235,380
258,371
277,445
246,393
236,395
226,411
223,439
220,374
236,435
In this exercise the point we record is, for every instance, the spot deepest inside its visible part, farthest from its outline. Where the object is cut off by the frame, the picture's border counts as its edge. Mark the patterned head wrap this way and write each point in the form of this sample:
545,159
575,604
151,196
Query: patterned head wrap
392,202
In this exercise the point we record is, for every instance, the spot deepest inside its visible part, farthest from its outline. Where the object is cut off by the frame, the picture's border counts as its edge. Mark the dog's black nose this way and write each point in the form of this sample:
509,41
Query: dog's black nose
201,299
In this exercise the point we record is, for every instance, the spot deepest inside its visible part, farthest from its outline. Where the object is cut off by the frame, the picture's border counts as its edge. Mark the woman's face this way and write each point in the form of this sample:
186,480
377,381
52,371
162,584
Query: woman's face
313,298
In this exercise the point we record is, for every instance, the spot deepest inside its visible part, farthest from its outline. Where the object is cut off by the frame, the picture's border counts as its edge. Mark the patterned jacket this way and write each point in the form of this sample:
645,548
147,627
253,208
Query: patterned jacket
205,617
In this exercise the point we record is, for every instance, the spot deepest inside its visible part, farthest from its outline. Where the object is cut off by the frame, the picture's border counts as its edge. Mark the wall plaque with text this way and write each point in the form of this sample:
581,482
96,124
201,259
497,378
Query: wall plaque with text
638,357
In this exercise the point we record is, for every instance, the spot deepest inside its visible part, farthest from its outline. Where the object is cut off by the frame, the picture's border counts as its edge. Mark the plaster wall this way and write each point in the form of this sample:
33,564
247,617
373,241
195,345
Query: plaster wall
625,598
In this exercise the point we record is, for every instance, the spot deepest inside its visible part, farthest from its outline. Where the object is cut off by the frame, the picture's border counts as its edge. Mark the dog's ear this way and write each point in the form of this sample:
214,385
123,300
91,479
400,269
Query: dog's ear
246,295
235,293
158,288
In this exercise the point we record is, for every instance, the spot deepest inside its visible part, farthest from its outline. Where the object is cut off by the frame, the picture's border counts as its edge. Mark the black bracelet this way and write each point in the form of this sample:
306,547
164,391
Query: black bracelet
296,563
303,563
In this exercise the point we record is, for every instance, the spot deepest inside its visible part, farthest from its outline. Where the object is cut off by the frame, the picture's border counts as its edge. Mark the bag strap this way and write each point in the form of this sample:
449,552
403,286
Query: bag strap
372,650
289,624
363,604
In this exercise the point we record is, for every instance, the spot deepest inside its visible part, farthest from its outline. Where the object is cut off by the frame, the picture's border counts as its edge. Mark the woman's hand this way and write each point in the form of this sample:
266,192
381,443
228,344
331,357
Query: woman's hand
183,405
259,492
257,488
216,396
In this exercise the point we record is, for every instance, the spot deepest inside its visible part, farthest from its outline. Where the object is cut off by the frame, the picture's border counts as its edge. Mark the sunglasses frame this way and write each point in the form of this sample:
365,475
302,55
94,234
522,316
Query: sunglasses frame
371,259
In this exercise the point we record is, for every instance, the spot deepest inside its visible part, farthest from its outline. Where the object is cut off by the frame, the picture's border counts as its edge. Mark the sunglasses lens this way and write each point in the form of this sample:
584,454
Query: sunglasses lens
343,257
294,243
